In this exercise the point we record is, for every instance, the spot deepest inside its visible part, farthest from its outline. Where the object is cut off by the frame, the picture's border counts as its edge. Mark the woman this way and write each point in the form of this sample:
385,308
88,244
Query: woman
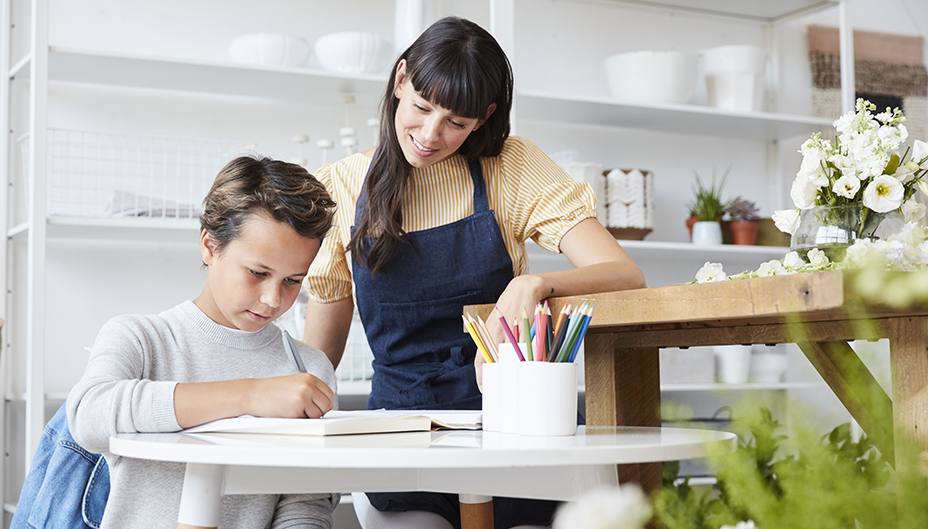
442,210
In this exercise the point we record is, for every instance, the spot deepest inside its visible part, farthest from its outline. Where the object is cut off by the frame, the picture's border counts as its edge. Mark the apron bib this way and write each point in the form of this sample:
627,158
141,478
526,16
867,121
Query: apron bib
423,359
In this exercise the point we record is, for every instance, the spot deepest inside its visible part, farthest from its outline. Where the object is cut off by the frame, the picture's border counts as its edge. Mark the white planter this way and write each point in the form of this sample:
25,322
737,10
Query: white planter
707,232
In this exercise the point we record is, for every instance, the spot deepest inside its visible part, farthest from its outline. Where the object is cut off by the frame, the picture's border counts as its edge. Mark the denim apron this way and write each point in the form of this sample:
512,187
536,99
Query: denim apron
423,359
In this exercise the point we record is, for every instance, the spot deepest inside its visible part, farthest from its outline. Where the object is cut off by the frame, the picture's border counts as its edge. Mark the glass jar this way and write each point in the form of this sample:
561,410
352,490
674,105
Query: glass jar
832,229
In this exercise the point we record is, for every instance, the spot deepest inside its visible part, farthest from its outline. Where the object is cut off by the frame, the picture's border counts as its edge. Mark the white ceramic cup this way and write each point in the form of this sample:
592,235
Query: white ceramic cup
491,397
509,387
734,363
547,398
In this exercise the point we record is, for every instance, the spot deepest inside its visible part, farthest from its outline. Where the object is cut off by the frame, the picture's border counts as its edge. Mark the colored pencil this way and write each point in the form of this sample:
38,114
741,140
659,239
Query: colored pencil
572,327
561,332
549,331
512,339
484,333
582,333
476,339
526,334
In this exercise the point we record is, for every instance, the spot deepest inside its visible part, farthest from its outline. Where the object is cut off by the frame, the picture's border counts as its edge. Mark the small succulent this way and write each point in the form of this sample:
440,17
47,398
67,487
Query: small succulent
741,210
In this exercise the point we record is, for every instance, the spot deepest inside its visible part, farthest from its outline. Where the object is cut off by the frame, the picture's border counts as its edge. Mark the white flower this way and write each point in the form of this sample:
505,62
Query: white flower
786,220
710,273
817,258
771,268
913,210
846,186
741,525
792,261
860,254
883,194
920,153
845,164
804,191
625,507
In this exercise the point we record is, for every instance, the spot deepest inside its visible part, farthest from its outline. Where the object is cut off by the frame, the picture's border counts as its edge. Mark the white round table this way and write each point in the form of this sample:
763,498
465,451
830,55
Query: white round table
474,464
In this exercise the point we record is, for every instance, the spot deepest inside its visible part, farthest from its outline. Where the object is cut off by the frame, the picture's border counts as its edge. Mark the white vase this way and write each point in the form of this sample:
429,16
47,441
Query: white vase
707,232
410,19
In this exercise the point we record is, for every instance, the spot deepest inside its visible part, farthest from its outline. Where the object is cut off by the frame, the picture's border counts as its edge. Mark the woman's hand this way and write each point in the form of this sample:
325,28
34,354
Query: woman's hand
523,292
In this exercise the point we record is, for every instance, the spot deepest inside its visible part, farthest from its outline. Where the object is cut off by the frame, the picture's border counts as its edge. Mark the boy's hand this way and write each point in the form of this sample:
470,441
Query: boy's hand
291,396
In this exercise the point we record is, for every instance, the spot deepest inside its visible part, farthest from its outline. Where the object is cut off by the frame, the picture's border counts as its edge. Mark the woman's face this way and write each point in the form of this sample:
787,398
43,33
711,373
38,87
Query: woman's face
257,276
428,133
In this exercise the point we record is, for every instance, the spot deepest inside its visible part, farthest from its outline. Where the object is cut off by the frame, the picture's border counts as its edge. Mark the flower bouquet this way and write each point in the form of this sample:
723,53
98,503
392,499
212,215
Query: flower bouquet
845,188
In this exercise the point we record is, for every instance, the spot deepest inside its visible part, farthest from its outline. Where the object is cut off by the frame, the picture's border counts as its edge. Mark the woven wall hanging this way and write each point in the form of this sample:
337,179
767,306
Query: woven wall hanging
889,71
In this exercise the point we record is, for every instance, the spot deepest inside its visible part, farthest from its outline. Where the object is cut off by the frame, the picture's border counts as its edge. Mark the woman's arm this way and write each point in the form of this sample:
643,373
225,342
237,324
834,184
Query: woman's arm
327,327
601,265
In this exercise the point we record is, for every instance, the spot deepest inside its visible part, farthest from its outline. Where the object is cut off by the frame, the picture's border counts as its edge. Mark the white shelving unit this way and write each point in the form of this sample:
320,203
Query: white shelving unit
31,65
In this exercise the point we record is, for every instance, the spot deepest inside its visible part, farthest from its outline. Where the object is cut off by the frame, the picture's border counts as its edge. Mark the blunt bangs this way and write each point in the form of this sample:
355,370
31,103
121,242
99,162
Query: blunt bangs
457,84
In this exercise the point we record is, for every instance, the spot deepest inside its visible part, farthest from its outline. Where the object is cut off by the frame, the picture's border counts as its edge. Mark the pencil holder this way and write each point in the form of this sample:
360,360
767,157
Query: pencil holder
491,397
509,387
547,398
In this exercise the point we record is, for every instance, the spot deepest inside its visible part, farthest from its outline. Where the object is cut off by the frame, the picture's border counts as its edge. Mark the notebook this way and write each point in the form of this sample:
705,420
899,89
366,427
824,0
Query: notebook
338,422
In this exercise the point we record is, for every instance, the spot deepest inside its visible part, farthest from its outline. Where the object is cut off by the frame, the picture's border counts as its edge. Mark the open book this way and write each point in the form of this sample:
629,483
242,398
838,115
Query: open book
338,422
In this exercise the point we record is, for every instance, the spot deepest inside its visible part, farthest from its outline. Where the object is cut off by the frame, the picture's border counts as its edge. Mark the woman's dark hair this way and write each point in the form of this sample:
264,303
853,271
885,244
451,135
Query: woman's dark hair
454,64
258,185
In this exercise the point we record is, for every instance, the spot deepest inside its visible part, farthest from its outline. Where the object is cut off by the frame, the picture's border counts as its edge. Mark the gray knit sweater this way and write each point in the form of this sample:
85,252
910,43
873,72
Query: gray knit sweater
128,387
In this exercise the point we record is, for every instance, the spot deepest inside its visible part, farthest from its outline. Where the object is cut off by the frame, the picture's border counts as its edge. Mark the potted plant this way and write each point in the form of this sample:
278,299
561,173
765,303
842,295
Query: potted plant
743,227
707,210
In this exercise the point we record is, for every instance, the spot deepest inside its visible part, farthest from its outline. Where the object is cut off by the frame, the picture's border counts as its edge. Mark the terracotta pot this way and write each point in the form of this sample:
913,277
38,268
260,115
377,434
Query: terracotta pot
743,232
689,225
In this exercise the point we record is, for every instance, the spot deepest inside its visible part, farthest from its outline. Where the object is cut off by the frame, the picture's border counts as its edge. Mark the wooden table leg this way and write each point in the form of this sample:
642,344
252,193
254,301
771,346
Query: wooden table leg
909,361
476,511
623,388
201,497
855,387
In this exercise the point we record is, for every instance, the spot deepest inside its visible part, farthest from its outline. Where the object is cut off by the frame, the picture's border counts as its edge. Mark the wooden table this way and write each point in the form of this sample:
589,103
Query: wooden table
473,464
819,311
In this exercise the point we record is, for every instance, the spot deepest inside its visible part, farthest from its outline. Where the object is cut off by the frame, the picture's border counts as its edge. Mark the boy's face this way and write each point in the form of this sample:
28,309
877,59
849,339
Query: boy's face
256,277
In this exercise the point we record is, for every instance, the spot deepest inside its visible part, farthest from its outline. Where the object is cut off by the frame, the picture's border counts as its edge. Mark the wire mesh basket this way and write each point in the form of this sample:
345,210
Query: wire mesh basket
98,174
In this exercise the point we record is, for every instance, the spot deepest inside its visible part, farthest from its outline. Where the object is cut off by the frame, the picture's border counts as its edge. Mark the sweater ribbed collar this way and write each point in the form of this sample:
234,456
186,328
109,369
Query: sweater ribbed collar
225,336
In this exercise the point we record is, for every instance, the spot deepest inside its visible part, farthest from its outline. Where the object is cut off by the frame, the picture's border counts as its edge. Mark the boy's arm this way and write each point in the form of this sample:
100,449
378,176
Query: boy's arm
299,395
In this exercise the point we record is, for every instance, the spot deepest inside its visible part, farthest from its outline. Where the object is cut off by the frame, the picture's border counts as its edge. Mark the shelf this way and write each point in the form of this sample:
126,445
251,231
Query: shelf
761,11
285,83
685,119
129,229
354,387
750,386
701,252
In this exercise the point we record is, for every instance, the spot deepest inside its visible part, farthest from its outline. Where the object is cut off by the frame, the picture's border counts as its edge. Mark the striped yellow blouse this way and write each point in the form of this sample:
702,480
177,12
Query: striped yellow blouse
532,196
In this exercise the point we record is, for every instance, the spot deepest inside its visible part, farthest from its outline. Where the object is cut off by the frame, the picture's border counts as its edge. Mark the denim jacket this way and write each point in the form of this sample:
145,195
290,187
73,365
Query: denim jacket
67,486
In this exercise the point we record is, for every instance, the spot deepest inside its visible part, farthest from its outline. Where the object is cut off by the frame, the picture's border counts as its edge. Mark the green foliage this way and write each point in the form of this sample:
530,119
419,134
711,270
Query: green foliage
830,482
708,204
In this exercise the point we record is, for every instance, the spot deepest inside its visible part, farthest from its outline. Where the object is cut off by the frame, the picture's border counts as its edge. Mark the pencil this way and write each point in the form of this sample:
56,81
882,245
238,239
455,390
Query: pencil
512,339
561,332
481,327
476,339
549,331
571,334
581,334
539,333
526,334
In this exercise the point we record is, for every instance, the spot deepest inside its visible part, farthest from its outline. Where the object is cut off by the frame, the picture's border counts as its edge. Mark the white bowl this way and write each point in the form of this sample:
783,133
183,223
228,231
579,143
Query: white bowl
650,76
270,49
353,52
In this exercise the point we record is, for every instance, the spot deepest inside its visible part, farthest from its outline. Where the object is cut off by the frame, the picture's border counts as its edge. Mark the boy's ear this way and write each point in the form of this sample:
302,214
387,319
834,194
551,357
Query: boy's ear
207,247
